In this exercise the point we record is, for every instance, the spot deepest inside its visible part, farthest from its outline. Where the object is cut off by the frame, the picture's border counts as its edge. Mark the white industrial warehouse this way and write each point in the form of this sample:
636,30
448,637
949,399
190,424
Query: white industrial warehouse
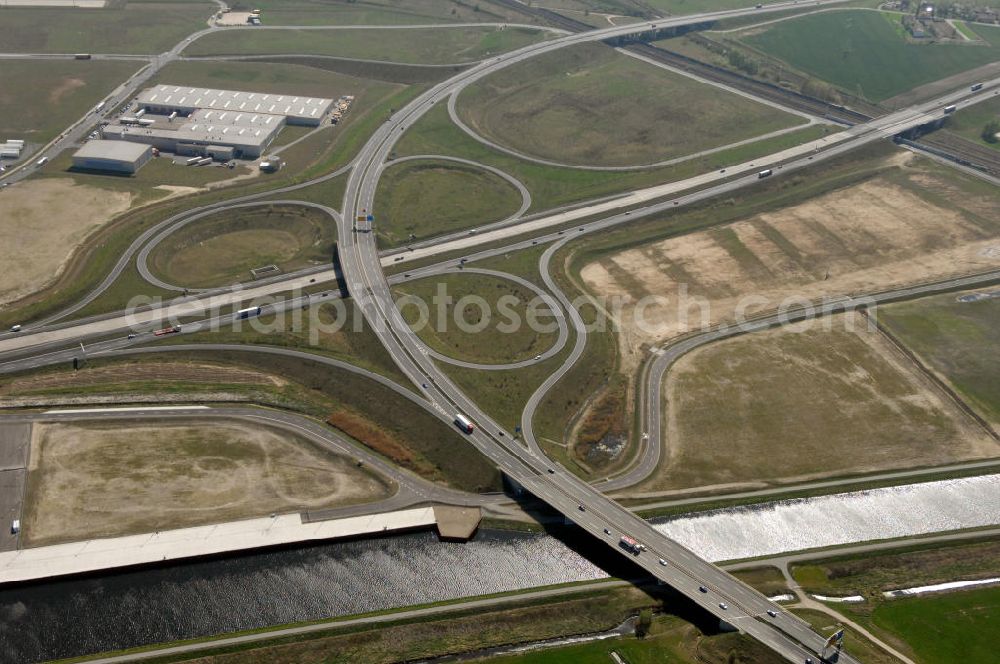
222,124
114,156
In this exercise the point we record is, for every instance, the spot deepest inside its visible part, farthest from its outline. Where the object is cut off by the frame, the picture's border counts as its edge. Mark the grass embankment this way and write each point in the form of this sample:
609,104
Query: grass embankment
416,46
222,248
671,639
123,27
417,200
917,565
329,149
554,186
840,48
478,318
366,411
972,123
380,12
40,98
111,479
578,105
956,340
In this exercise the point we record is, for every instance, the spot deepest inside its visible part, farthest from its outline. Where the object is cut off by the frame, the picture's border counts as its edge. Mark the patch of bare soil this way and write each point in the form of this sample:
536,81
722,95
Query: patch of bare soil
43,222
66,86
117,478
868,237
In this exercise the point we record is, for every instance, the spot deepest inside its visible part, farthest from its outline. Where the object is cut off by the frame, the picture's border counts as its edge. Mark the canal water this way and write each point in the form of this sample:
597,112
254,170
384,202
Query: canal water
75,617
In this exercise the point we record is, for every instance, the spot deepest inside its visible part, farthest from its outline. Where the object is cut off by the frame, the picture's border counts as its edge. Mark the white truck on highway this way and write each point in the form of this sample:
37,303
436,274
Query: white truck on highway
464,423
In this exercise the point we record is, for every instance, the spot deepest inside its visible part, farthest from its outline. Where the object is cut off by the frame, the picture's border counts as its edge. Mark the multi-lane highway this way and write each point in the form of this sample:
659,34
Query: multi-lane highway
362,271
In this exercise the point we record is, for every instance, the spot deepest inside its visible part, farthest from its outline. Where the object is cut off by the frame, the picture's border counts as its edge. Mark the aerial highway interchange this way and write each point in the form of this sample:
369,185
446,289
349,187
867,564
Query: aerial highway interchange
60,339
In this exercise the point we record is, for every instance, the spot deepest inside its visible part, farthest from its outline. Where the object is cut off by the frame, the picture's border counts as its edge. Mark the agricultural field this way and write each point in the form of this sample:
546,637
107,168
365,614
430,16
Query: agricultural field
286,79
833,396
88,480
422,198
40,98
578,106
867,53
222,248
416,46
972,123
494,312
379,12
945,629
921,222
133,26
956,340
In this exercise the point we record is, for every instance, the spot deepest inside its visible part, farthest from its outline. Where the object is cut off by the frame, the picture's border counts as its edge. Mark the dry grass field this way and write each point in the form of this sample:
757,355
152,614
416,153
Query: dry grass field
833,401
105,479
908,224
43,221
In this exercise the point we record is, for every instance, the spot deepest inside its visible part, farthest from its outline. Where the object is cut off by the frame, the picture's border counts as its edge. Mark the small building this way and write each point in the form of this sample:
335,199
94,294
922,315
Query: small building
112,156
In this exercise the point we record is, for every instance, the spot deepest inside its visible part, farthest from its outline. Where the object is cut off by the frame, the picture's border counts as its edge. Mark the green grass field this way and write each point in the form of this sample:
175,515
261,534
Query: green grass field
420,199
552,186
506,334
222,248
970,122
579,105
40,98
378,12
865,52
954,628
132,27
417,46
957,340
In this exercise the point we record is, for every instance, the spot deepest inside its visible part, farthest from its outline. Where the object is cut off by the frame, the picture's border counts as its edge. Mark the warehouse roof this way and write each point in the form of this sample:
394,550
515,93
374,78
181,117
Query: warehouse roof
184,97
119,150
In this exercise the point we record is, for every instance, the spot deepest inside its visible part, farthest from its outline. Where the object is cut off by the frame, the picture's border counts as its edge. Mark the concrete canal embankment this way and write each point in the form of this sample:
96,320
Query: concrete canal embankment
90,556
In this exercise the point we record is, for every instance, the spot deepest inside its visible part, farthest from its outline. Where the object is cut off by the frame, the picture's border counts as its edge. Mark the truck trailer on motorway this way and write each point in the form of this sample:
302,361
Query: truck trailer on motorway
82,56
950,109
631,545
464,423
764,174
167,330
